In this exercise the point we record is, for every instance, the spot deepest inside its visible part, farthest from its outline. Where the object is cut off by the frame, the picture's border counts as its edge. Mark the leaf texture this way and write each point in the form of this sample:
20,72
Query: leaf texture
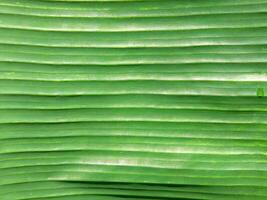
133,99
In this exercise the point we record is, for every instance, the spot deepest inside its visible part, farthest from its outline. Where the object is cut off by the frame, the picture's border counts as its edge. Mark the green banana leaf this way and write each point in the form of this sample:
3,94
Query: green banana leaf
133,100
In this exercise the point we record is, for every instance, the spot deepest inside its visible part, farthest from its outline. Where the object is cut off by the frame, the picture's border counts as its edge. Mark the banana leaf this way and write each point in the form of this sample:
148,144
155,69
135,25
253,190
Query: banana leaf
133,100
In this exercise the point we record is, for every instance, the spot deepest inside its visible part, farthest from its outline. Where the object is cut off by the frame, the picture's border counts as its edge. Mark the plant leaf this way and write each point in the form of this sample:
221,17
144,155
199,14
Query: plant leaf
133,99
